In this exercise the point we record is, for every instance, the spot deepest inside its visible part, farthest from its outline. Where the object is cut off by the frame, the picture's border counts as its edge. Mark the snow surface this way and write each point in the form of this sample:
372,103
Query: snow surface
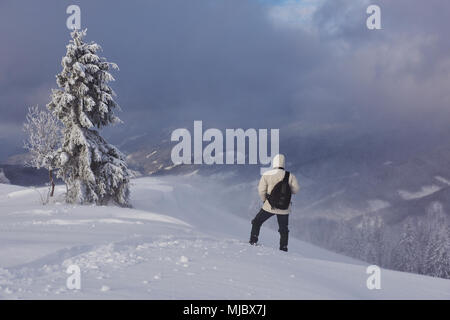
171,245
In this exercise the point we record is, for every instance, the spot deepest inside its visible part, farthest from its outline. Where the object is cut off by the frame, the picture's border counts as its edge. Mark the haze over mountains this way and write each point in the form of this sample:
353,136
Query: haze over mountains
343,172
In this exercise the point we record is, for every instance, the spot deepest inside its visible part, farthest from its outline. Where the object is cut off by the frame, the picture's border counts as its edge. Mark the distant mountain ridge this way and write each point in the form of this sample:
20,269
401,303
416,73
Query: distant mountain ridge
23,176
343,174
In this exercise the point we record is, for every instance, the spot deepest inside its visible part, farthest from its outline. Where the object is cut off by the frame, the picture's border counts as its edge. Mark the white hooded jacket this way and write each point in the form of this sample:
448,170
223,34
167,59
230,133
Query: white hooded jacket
270,179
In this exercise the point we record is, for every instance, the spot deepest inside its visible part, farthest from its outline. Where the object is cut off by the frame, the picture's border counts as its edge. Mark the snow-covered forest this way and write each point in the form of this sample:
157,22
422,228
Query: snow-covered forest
418,244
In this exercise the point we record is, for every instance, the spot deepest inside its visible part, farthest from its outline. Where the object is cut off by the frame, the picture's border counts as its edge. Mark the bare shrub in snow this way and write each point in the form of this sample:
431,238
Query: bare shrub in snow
43,132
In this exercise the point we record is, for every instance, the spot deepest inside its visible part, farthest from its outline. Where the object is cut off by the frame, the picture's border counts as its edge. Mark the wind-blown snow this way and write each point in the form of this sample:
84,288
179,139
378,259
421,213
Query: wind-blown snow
20,193
443,180
3,178
83,221
151,154
377,204
178,242
423,192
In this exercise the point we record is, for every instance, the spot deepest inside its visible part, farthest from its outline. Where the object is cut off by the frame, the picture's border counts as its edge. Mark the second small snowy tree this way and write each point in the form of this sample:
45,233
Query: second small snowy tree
43,132
93,170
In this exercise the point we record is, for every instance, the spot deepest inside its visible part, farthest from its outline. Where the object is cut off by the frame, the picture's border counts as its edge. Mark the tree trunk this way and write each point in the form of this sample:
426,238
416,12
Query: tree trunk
50,175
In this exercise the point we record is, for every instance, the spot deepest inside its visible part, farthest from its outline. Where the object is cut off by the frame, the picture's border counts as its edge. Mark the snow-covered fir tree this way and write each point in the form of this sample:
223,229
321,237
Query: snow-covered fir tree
373,238
436,257
43,140
406,253
93,170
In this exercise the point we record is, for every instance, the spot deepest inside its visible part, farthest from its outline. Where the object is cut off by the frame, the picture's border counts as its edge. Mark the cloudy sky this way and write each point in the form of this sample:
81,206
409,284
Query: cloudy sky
238,63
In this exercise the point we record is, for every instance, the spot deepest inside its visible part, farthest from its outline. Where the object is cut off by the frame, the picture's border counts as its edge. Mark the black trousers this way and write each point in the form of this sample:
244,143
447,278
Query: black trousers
261,217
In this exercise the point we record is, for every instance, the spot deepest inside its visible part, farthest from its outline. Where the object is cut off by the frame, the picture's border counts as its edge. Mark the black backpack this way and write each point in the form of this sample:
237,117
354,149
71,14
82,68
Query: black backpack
280,197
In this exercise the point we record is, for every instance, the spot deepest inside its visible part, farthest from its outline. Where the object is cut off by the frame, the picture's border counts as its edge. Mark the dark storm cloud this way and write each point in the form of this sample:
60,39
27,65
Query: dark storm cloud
227,63
180,60
399,74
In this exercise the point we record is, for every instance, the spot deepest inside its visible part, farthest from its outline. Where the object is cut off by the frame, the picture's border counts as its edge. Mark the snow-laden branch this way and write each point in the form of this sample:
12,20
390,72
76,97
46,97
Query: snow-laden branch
43,137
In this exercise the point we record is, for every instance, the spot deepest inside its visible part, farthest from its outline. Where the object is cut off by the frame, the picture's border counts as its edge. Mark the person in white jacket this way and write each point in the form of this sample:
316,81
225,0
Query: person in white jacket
266,184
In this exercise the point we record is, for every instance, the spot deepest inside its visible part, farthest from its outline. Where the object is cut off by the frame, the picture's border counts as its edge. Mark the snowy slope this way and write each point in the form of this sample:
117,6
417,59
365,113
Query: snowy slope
172,246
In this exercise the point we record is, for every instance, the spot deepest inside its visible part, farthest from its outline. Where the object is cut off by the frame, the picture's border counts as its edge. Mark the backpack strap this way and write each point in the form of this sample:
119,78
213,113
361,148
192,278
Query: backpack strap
286,176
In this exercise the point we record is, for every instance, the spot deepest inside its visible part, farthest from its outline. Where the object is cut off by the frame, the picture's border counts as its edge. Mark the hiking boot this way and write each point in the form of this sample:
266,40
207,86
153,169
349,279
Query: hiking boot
253,240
